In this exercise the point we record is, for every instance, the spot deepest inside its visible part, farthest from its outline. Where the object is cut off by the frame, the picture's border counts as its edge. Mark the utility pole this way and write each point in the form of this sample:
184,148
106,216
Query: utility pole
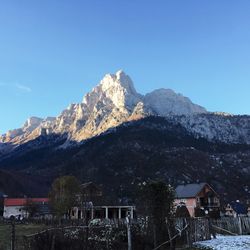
128,220
13,234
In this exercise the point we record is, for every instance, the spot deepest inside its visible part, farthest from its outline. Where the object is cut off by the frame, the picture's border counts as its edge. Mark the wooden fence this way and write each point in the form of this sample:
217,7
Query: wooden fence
187,231
198,229
239,225
112,234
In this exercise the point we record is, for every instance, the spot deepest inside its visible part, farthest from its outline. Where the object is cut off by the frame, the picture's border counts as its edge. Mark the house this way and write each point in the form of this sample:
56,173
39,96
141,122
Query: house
94,206
236,209
198,197
23,207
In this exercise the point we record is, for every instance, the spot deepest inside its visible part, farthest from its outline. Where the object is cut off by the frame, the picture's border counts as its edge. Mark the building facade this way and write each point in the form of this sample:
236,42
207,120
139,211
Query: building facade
20,208
198,197
94,206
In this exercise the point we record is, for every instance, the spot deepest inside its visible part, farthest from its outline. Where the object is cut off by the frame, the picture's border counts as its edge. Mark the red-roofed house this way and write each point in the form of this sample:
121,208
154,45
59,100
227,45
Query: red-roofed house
17,207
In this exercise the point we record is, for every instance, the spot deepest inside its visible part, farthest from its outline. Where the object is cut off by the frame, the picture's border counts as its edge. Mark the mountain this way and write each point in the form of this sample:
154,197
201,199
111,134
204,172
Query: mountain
119,138
165,102
112,102
32,128
16,184
146,149
220,127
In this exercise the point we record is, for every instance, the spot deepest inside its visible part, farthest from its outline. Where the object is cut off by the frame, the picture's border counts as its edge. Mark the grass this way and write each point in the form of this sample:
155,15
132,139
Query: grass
21,230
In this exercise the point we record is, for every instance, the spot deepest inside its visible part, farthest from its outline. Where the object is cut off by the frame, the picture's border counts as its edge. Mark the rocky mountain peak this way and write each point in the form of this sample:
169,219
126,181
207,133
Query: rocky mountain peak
113,101
117,89
32,123
118,80
166,102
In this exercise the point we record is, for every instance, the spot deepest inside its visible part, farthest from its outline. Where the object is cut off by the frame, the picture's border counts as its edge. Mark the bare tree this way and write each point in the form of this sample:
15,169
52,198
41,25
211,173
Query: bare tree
64,195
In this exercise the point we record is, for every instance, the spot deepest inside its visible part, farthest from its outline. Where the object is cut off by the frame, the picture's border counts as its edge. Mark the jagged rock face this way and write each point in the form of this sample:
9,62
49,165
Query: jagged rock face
115,101
31,129
109,104
118,89
166,101
219,127
31,124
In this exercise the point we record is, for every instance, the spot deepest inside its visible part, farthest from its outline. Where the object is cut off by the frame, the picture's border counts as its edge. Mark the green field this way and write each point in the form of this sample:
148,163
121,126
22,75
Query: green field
21,230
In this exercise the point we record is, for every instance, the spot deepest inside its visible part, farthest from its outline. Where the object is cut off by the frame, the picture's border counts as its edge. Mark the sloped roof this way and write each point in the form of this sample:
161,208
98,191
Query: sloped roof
23,201
189,190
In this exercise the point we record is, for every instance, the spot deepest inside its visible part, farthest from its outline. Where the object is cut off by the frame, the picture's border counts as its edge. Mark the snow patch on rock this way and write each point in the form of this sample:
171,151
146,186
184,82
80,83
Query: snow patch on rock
166,102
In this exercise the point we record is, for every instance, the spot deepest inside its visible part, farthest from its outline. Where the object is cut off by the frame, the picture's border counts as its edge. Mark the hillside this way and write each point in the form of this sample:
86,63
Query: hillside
126,156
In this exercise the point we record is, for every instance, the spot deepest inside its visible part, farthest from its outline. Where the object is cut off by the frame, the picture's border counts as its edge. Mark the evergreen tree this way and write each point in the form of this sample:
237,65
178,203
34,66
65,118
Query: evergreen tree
182,212
157,202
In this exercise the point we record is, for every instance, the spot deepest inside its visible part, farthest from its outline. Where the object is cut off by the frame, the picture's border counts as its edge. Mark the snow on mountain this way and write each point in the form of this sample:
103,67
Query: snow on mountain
115,101
218,127
166,101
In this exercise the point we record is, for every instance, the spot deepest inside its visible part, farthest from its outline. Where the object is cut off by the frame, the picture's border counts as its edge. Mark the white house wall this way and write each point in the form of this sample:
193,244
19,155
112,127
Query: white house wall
14,211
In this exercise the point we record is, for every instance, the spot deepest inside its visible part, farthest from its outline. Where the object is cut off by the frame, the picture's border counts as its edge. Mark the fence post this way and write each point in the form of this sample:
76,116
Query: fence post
189,242
128,219
13,236
53,242
87,238
240,225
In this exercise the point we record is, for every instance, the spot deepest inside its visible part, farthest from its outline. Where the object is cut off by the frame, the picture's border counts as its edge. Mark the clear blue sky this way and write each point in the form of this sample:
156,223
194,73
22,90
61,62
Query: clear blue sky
53,52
